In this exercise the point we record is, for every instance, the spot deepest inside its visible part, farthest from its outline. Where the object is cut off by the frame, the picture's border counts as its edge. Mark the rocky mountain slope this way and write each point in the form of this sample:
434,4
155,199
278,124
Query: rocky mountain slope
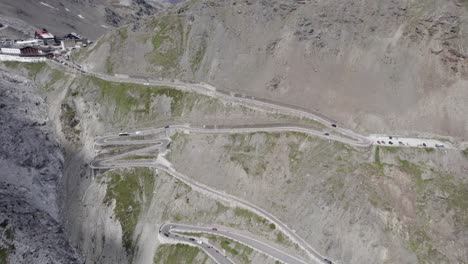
355,205
91,18
372,65
31,165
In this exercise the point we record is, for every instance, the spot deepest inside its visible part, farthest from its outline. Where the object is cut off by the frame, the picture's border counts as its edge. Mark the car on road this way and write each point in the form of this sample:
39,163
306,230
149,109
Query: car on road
391,143
378,141
191,239
333,125
328,261
401,143
166,234
424,144
327,134
166,127
138,132
124,134
199,242
439,146
214,229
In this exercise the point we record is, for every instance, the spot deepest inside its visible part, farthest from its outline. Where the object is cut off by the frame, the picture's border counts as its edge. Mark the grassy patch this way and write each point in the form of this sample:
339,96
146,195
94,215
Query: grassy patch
130,190
55,76
377,162
241,212
236,250
198,54
167,43
123,33
34,68
136,98
11,64
4,255
465,153
140,157
280,237
429,150
179,254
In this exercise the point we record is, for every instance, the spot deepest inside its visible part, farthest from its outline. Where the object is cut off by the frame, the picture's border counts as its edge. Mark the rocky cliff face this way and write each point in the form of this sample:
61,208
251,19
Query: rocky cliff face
31,165
375,66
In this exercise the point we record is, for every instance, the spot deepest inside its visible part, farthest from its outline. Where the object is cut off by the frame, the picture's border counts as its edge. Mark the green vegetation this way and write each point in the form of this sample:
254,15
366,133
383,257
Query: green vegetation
280,237
167,43
129,97
140,157
465,152
414,171
253,217
11,64
123,33
179,254
3,255
456,196
199,54
378,164
55,76
272,226
131,190
34,68
429,150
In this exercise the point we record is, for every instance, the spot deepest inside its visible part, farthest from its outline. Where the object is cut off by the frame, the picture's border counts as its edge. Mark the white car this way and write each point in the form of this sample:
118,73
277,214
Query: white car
199,242
138,133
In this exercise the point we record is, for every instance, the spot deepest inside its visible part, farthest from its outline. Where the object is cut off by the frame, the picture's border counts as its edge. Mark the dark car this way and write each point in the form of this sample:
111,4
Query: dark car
192,239
166,234
326,134
166,127
333,125
328,261
214,229
424,144
401,143
391,143
390,138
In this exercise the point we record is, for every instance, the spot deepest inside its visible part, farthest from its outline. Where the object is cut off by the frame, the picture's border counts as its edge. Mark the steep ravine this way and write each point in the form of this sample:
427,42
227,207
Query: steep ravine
31,162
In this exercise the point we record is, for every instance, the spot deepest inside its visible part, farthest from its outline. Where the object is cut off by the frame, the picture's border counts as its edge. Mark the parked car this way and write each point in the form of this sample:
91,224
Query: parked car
333,125
326,134
214,229
123,134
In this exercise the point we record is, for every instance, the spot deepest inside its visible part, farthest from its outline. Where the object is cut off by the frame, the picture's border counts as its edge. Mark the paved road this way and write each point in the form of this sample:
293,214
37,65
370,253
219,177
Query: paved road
177,229
162,164
250,101
216,254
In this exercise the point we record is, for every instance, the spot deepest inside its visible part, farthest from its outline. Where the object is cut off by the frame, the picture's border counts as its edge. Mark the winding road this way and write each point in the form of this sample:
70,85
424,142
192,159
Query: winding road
172,231
176,232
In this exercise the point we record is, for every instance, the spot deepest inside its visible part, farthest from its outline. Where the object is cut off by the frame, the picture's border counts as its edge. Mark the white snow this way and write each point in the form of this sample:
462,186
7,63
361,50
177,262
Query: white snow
49,6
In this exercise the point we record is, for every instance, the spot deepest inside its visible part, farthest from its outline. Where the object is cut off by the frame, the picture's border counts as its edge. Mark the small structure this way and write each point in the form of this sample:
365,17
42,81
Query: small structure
31,52
29,42
43,34
10,50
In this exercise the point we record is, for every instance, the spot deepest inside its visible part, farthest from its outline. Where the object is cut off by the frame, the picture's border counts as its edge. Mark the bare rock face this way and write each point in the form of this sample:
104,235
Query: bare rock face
31,165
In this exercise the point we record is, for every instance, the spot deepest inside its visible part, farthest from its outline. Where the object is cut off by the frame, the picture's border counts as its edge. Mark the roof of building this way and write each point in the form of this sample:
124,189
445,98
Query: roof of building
44,34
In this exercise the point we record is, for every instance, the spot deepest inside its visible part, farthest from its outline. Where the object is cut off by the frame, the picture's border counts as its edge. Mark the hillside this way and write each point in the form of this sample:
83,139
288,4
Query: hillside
356,205
393,66
91,18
